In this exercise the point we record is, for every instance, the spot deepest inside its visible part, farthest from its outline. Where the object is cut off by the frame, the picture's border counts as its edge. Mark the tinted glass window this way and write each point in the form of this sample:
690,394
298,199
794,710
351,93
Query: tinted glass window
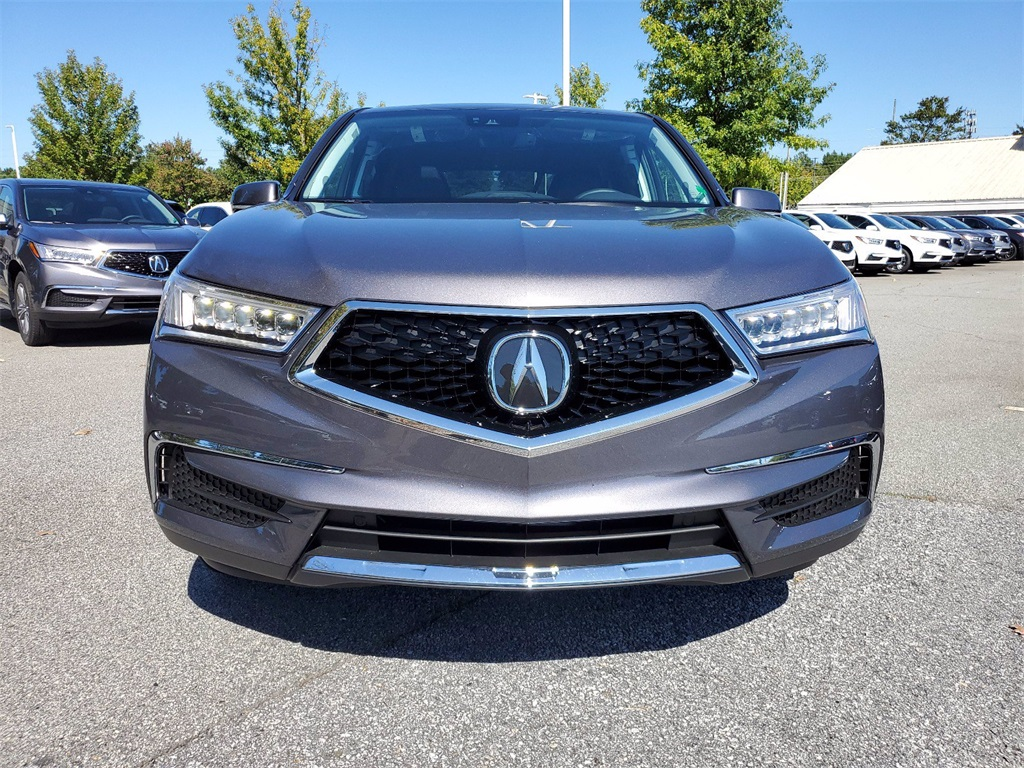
888,222
906,222
208,216
833,221
7,202
989,221
954,223
66,204
504,155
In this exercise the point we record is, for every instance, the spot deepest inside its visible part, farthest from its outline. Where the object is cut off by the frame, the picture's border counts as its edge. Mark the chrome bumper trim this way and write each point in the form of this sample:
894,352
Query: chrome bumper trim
870,438
528,578
156,439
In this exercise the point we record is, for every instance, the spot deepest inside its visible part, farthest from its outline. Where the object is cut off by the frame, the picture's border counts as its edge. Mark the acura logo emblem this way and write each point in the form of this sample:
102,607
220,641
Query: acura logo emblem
528,372
158,264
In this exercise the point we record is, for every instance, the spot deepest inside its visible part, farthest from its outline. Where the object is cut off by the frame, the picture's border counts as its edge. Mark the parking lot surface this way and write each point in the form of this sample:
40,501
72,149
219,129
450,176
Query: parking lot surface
119,649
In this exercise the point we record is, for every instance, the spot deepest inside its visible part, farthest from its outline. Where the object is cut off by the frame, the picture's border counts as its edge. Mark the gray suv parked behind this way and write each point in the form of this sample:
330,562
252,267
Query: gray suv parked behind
510,348
77,253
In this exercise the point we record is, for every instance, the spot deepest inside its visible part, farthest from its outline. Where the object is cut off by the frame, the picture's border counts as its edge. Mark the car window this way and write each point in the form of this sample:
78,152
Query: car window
834,221
504,155
7,202
888,222
858,221
73,204
208,215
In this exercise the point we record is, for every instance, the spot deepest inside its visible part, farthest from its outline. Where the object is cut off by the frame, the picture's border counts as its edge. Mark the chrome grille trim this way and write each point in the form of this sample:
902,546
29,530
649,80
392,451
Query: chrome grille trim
303,375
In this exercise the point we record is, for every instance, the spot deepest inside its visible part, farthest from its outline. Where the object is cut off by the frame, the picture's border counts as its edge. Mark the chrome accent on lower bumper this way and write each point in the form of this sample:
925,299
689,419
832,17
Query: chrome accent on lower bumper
529,578
156,439
870,438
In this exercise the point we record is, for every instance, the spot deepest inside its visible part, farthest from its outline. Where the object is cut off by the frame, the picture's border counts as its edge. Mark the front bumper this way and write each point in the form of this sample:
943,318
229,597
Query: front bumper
72,295
240,421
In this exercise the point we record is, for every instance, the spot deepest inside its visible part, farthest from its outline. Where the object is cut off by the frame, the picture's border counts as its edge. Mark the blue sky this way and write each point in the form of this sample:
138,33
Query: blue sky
422,51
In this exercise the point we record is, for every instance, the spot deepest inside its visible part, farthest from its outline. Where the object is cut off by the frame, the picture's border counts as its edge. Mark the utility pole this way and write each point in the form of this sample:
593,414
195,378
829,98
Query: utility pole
14,146
970,123
894,110
538,98
565,54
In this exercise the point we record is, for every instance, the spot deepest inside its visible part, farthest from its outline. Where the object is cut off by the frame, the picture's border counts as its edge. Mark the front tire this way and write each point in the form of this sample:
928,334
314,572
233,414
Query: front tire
26,314
903,265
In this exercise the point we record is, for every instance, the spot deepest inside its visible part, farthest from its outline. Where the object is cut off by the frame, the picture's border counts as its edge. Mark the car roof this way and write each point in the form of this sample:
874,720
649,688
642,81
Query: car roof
421,108
72,183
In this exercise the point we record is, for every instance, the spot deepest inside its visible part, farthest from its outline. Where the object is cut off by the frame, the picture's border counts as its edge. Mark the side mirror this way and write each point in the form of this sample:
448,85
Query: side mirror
5,224
815,227
756,200
192,221
254,193
872,227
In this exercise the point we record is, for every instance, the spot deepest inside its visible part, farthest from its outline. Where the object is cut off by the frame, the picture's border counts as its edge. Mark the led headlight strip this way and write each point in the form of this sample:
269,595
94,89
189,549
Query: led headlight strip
220,315
833,316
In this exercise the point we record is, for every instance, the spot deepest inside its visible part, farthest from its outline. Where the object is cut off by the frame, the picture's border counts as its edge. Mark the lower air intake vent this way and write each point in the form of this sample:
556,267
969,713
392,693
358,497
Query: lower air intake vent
210,496
839,490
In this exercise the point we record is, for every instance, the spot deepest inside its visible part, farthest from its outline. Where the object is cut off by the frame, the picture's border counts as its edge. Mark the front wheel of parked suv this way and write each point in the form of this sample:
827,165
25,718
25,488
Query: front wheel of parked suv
903,265
33,331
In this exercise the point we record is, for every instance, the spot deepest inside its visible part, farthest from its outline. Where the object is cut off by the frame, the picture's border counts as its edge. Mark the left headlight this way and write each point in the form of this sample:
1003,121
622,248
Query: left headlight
195,310
833,316
66,255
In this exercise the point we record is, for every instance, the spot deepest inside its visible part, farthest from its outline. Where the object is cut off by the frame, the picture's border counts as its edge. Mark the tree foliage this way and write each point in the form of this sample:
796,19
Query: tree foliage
282,101
86,126
931,121
175,171
1019,130
586,88
726,74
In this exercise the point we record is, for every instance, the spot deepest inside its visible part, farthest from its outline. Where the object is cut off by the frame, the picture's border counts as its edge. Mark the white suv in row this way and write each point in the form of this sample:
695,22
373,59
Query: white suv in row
873,253
920,250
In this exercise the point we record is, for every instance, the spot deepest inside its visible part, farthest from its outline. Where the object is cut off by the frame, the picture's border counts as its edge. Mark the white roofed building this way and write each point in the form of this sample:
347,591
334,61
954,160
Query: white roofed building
962,176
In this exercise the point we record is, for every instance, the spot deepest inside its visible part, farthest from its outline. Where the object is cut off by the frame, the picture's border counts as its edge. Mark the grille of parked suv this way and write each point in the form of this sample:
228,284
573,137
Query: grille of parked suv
57,298
489,542
181,484
137,262
944,243
135,304
437,363
895,244
842,488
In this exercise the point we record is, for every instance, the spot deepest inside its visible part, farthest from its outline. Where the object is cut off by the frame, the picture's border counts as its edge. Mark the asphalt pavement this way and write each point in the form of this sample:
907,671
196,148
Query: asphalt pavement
118,649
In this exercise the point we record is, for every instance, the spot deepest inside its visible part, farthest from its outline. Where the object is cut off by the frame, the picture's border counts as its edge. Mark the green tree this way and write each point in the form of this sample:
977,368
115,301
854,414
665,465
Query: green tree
831,161
283,101
587,89
1019,130
726,74
86,126
175,171
931,121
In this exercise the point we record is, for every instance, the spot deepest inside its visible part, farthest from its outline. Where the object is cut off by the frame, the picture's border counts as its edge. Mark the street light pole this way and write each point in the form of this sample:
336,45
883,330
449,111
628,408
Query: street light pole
565,53
14,146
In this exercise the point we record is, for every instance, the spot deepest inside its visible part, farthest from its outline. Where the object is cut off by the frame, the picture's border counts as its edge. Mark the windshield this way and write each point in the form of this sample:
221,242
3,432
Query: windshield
834,222
954,223
73,204
906,222
990,221
493,154
888,222
934,222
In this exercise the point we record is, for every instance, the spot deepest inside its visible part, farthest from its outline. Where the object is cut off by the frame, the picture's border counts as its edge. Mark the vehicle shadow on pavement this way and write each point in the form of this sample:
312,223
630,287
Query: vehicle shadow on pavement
108,336
485,627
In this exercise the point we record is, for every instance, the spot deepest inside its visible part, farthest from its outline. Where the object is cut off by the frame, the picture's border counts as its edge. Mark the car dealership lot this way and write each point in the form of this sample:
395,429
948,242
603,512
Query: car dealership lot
120,649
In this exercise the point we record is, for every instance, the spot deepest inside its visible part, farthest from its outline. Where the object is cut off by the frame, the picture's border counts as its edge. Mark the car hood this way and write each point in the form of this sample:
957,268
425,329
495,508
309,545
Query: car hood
513,254
103,237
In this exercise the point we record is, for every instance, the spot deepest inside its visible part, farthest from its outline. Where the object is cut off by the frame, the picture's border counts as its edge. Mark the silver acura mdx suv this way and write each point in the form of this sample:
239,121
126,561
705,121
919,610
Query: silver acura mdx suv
510,348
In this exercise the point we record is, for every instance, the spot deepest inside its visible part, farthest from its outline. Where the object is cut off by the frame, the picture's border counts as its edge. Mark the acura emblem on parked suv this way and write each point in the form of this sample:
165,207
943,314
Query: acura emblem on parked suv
528,372
159,264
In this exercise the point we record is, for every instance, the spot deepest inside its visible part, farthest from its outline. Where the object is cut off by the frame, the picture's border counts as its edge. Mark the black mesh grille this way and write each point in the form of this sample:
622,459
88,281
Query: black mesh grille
137,262
419,539
944,243
837,491
892,244
437,363
211,496
58,298
135,304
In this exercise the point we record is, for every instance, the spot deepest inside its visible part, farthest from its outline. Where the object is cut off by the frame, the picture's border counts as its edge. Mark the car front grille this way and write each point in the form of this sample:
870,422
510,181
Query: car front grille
138,262
467,541
895,244
436,363
194,490
135,304
58,298
842,488
944,243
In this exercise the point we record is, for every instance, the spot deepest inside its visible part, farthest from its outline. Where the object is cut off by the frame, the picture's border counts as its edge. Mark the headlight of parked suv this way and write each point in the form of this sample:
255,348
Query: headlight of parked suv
870,240
833,316
204,312
921,239
68,255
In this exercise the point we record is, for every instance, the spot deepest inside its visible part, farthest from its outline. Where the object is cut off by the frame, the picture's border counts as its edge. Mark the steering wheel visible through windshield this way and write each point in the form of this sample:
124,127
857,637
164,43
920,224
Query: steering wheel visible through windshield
490,154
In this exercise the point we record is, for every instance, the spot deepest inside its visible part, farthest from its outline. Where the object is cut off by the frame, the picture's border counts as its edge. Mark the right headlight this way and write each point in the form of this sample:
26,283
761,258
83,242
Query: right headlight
835,315
203,312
